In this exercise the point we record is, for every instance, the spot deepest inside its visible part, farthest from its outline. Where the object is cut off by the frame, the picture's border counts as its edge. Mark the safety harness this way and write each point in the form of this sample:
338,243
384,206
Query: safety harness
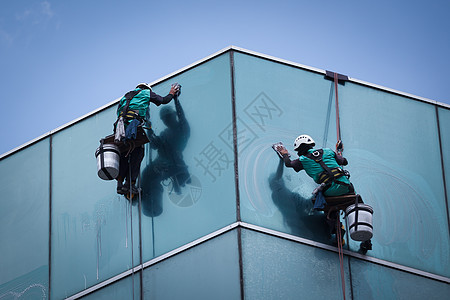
329,175
131,114
126,113
136,136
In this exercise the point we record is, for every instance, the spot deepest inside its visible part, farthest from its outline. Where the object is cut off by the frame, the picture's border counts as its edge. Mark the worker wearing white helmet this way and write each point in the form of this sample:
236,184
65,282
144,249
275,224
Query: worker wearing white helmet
329,172
323,166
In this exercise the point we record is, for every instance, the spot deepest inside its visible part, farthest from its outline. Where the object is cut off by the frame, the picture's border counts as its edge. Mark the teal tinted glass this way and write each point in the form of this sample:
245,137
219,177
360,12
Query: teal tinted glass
381,133
119,290
207,271
371,281
276,103
392,145
187,172
91,224
24,223
444,122
276,268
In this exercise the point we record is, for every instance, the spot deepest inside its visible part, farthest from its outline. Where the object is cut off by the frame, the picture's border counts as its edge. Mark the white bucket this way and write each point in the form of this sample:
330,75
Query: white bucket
108,158
359,221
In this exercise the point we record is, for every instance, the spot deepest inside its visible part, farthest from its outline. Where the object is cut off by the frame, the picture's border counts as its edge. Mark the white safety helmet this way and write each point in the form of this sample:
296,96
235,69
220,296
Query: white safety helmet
144,86
303,139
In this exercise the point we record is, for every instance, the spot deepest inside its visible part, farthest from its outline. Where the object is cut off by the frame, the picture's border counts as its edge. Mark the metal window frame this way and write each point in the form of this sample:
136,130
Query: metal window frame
236,173
441,152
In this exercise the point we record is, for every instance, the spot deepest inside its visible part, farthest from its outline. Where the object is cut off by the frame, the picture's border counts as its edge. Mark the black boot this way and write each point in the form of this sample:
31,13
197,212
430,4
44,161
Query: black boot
365,246
134,189
121,189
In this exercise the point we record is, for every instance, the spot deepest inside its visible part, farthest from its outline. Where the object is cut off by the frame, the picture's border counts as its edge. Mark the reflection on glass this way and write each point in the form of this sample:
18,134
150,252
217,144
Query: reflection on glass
187,175
169,163
268,112
380,132
296,209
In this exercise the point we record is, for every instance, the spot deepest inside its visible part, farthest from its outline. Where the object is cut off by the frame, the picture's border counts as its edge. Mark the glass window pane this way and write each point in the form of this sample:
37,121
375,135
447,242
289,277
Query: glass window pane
444,121
382,133
190,161
91,224
24,222
276,268
371,281
276,103
207,271
392,145
119,290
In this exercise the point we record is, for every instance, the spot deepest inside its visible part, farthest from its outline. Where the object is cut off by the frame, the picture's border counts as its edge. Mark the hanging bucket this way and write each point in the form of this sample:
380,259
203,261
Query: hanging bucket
359,221
108,157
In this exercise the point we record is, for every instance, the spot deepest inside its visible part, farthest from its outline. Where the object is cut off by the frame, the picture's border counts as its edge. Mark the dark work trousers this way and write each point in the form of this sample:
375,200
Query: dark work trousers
135,157
331,222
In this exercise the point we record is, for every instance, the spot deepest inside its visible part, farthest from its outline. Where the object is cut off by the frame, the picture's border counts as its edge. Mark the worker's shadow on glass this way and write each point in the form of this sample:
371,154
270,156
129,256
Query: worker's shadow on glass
297,210
168,168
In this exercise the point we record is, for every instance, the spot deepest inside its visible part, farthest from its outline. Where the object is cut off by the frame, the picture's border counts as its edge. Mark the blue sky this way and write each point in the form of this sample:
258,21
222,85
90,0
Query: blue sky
62,59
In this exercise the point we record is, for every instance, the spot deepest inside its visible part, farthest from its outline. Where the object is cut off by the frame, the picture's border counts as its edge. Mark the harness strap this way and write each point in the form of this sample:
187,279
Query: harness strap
328,173
128,96
325,176
130,115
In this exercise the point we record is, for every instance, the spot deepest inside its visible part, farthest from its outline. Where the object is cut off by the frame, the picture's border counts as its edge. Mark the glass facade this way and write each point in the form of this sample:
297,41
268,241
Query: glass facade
127,288
182,178
371,281
92,232
68,234
277,103
278,269
208,271
410,221
444,122
24,228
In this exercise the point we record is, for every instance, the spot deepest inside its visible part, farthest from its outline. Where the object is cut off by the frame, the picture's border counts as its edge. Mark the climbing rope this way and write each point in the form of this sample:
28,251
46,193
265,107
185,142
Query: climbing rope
341,253
339,150
338,125
131,220
327,119
140,232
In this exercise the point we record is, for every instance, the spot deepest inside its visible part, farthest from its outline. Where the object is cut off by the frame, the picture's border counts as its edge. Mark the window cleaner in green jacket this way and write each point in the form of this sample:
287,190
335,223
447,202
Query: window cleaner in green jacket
323,166
138,102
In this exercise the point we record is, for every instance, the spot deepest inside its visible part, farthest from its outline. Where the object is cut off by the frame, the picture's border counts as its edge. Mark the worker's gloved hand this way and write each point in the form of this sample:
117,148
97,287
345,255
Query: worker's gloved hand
175,89
339,146
282,150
